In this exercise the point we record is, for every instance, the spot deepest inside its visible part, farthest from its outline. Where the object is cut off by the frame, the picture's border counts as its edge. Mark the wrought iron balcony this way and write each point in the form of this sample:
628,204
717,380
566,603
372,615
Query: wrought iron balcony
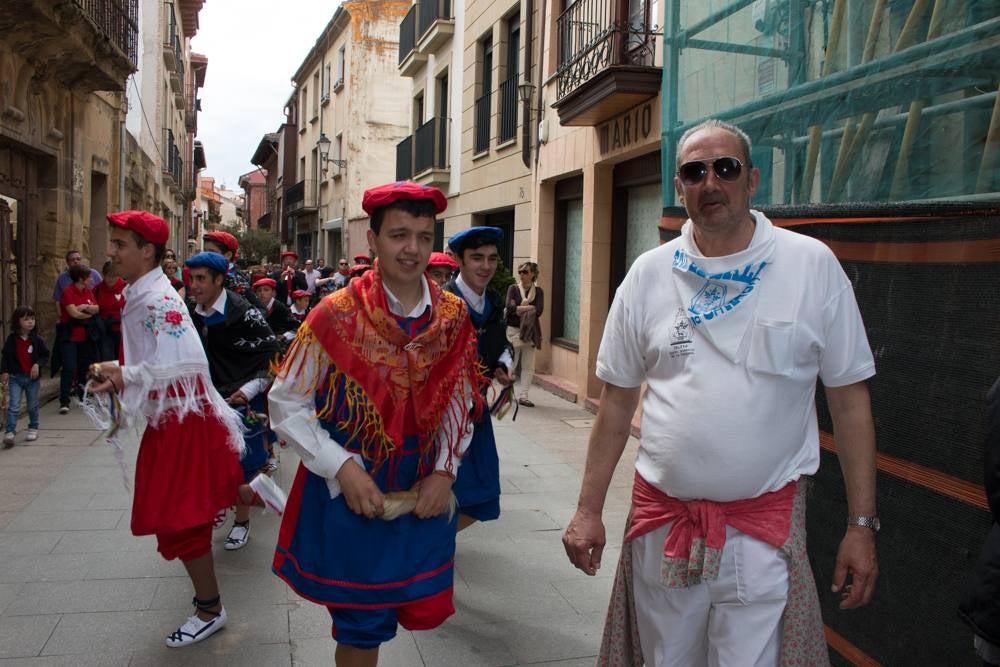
410,60
301,197
606,65
508,110
177,73
404,159
87,45
169,36
482,128
430,153
435,25
172,164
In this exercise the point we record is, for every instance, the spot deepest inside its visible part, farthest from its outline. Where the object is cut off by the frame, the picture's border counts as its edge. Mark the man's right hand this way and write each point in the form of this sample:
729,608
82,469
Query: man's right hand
584,541
360,491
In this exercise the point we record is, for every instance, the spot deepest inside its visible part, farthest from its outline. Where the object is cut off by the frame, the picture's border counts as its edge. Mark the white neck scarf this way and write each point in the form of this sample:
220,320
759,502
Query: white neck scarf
718,293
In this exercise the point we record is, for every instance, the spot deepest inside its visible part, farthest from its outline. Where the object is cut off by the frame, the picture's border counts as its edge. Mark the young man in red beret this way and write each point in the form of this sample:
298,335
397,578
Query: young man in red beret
391,363
188,467
225,244
289,278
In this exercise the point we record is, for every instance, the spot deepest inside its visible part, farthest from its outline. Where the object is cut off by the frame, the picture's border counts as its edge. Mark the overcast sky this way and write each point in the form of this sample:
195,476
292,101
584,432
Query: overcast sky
253,48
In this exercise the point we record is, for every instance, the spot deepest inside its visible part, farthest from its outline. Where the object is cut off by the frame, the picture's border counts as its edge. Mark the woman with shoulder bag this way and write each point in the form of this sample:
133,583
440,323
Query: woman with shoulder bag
524,305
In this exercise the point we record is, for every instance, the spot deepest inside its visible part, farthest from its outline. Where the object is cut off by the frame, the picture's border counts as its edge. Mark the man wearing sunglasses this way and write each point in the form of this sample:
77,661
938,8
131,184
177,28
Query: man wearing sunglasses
744,318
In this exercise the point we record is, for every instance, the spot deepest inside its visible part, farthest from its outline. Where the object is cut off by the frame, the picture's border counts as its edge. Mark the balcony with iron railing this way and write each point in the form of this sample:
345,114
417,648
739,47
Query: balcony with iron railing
169,35
171,162
507,126
430,153
607,64
86,45
404,159
410,59
192,105
435,25
177,72
301,197
482,111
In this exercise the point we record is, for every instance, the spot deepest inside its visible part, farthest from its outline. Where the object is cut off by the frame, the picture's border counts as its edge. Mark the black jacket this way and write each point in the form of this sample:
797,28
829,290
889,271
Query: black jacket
240,348
491,330
280,318
9,362
980,606
281,291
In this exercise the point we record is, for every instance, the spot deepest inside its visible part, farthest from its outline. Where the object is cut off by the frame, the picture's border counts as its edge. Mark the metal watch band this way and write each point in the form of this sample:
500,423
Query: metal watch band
870,522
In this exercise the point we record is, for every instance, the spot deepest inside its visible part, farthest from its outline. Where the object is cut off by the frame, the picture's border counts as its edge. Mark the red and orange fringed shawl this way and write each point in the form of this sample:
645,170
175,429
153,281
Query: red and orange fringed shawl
382,367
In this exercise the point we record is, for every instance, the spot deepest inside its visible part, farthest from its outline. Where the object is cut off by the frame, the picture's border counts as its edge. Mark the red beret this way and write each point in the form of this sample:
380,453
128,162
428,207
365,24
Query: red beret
290,253
299,293
265,282
224,239
150,227
359,269
386,194
362,259
441,259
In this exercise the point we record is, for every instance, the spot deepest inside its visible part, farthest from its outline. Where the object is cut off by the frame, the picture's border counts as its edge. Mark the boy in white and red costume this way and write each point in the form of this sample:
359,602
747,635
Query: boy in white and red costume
188,466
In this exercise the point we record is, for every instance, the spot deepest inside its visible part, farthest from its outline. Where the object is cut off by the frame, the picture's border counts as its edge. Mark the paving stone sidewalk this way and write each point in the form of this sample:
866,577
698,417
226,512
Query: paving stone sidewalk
77,589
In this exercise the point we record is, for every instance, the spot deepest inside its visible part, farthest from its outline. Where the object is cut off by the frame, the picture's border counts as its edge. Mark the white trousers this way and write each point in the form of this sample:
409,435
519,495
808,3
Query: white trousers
525,353
734,620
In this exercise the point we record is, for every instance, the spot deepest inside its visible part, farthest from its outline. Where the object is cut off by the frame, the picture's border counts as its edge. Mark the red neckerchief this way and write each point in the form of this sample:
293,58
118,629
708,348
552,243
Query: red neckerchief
367,346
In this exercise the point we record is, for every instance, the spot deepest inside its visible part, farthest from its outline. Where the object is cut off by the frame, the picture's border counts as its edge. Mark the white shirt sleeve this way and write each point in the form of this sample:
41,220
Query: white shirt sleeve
448,433
507,360
254,387
846,357
293,416
620,359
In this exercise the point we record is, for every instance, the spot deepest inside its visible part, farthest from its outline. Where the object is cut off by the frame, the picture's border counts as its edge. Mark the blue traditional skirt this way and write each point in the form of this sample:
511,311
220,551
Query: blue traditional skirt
256,454
334,557
477,486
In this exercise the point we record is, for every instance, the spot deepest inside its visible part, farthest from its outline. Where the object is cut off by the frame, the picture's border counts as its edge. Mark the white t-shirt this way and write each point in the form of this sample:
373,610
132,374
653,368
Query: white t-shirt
718,430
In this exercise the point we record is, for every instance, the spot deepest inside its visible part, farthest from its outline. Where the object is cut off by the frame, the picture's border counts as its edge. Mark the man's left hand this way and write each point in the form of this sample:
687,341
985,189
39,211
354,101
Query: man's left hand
856,557
503,376
433,495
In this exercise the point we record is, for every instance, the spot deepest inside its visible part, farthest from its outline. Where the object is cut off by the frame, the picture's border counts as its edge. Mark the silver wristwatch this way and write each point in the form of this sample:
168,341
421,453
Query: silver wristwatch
865,521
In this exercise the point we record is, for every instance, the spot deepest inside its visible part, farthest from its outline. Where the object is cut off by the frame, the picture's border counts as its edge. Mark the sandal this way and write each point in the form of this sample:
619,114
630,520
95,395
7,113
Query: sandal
195,629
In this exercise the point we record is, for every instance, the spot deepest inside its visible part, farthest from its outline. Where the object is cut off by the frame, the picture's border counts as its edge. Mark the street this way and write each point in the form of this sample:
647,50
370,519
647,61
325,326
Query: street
77,588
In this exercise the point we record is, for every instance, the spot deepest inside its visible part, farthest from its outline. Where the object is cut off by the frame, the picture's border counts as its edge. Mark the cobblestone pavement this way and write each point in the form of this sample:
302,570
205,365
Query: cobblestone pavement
78,589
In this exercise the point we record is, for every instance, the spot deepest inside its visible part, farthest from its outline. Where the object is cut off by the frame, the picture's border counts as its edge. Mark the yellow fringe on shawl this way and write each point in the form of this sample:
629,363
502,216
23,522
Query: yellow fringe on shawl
362,421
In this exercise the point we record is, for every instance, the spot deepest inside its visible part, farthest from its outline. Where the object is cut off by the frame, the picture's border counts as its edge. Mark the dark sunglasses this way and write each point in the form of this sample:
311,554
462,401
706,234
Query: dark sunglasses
343,263
726,168
523,271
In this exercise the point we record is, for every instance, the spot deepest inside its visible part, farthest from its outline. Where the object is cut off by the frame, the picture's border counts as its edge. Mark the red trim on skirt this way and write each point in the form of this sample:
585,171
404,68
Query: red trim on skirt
186,544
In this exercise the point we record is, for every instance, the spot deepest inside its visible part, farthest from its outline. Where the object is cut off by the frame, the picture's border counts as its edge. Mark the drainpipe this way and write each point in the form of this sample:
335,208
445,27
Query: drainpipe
541,77
526,112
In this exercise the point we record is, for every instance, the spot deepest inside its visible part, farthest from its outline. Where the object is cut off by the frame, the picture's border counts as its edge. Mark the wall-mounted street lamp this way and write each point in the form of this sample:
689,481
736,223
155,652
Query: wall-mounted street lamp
324,153
525,91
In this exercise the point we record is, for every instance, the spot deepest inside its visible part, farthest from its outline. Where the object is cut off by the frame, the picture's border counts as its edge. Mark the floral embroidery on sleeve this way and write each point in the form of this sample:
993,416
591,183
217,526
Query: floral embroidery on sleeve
167,315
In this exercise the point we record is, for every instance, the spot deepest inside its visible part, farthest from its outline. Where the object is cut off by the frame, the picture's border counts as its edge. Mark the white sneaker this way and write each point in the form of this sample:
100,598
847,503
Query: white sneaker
238,537
195,629
8,439
64,410
32,435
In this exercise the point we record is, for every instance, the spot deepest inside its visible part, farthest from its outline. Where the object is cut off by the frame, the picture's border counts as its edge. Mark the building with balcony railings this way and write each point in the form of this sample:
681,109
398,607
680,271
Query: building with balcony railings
597,169
162,114
349,112
433,58
496,186
276,155
254,184
63,71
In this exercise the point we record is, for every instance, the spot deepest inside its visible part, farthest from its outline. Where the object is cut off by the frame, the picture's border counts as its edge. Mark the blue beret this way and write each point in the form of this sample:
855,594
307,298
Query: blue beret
210,260
460,241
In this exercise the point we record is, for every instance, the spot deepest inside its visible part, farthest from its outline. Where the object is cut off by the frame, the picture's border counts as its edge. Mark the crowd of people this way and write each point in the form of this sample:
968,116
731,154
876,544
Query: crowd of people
379,375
